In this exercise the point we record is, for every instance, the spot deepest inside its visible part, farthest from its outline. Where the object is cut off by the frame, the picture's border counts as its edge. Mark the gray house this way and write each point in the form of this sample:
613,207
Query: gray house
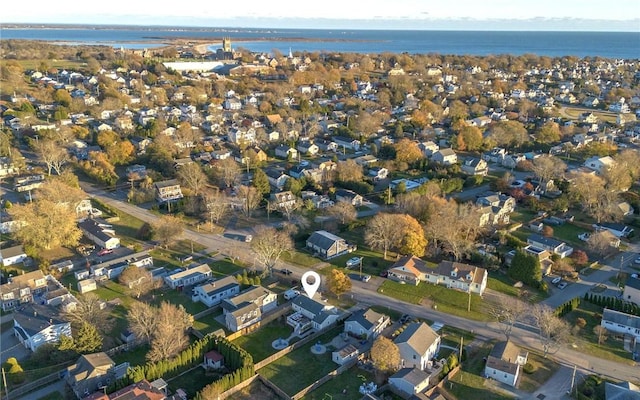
327,245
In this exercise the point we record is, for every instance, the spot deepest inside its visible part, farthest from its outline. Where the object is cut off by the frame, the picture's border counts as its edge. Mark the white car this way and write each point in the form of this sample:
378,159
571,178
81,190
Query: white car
562,285
354,261
584,236
366,278
556,280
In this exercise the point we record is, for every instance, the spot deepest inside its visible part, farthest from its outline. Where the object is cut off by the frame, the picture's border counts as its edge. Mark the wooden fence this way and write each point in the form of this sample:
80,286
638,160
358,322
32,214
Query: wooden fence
28,387
237,387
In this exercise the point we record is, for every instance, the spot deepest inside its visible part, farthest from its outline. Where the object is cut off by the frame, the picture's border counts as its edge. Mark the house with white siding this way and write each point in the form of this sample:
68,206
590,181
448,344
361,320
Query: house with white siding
504,363
36,324
215,292
418,345
189,276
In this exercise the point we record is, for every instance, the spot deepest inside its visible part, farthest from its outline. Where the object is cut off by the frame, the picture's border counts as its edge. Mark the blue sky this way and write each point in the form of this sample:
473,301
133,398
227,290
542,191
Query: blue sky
354,14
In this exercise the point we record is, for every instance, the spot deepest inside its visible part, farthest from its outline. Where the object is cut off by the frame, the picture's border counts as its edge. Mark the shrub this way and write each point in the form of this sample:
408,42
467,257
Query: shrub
528,368
581,322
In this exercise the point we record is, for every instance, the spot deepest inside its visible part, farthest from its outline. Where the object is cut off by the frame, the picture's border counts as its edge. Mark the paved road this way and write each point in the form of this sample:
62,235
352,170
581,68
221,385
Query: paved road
366,293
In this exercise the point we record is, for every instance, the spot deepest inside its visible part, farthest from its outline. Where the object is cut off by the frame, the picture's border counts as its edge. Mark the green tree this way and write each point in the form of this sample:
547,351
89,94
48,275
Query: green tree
261,182
548,133
338,283
62,97
88,339
14,370
525,268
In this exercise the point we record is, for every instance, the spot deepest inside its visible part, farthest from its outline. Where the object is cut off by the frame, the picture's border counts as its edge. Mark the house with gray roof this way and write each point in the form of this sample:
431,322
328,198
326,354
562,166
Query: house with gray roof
246,308
36,324
366,323
619,322
418,345
621,391
90,373
327,245
505,362
13,255
410,380
632,290
550,244
100,233
211,294
311,314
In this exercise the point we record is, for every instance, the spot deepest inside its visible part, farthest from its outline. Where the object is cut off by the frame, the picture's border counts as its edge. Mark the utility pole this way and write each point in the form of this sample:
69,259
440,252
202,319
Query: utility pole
460,355
360,268
4,382
469,303
389,194
573,379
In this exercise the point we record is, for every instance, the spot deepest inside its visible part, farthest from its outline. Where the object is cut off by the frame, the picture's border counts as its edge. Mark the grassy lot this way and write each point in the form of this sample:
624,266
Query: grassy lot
503,284
343,386
587,341
522,215
446,300
300,258
372,262
305,366
454,334
255,391
544,368
176,297
193,381
208,323
258,343
133,357
468,383
223,268
568,232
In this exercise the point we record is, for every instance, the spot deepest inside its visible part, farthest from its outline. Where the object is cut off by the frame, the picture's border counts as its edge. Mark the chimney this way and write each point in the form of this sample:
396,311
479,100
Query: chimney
35,313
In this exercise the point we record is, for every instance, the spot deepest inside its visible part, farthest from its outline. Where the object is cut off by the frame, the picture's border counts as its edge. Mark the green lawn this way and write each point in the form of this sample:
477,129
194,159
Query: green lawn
305,366
544,368
503,284
208,323
193,381
176,297
587,341
53,396
372,262
224,268
258,343
343,386
300,258
568,232
446,300
133,357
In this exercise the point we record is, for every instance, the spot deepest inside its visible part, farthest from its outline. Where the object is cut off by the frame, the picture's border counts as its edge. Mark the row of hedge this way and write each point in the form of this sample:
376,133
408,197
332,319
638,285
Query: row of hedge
235,358
567,307
613,303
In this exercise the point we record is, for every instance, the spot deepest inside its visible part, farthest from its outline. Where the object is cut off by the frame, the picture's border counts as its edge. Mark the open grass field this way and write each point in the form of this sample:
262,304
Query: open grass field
343,386
446,300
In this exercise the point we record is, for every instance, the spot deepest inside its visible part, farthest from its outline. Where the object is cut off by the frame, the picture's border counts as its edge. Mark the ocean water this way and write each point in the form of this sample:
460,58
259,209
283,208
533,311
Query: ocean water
580,44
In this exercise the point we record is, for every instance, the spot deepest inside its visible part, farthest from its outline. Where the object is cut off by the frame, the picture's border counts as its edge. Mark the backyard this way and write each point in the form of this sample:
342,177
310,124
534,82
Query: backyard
343,386
446,300
258,343
301,363
543,369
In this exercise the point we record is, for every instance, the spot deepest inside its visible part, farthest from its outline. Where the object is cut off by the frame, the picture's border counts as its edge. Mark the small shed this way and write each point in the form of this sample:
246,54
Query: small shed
213,359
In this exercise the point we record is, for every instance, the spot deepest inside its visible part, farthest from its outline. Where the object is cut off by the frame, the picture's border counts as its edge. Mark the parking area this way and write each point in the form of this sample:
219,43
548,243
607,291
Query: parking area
11,347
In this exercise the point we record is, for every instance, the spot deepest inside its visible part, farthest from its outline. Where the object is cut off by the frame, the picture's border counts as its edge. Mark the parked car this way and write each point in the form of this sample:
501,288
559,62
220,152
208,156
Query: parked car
584,236
104,252
636,261
556,280
366,278
353,261
384,273
562,285
291,294
286,271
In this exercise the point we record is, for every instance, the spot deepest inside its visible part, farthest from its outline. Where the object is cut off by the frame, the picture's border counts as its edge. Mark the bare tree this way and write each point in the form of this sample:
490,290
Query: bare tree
142,320
601,332
170,333
216,205
600,242
268,244
52,154
228,172
453,227
548,167
349,171
344,211
138,279
192,177
596,199
250,197
507,312
89,308
384,232
552,331
167,229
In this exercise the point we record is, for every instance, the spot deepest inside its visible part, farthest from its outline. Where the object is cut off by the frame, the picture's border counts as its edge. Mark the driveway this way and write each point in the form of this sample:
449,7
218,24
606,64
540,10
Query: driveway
558,385
11,347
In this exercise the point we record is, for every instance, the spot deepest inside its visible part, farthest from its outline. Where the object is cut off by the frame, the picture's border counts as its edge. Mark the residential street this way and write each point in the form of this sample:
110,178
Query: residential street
366,293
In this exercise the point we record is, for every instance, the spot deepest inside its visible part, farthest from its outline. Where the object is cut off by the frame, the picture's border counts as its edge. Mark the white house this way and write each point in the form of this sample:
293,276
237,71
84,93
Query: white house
327,245
345,354
366,323
618,230
631,291
619,322
505,362
418,344
188,277
550,244
12,255
35,325
87,285
100,233
455,275
311,314
213,293
246,308
599,164
410,380
445,157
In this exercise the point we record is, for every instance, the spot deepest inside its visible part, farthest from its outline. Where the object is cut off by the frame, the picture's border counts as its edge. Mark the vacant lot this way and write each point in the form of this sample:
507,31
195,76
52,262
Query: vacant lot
343,386
258,343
